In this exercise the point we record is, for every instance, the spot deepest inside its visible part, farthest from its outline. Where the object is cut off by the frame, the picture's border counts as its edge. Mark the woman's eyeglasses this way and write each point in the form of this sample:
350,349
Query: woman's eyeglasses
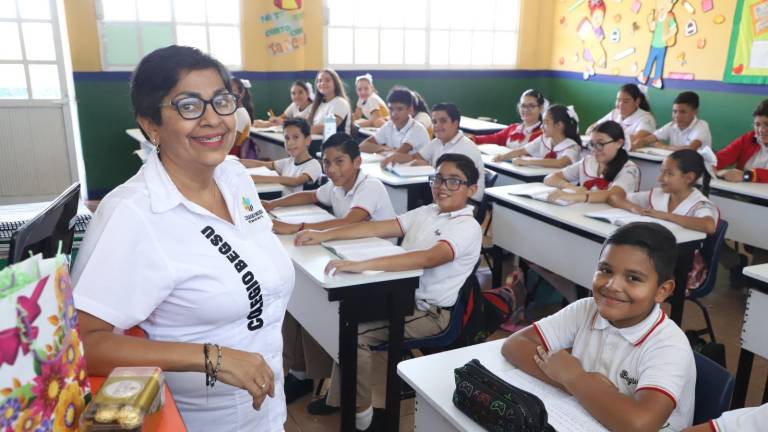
451,183
528,107
600,145
192,107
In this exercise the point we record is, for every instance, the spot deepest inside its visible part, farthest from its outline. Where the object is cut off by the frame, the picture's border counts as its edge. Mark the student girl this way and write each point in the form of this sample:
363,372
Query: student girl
371,110
517,135
606,170
677,199
244,146
633,112
331,99
301,105
421,112
557,147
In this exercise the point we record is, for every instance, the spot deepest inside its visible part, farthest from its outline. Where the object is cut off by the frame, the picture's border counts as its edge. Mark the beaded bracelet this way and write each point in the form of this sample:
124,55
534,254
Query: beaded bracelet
211,371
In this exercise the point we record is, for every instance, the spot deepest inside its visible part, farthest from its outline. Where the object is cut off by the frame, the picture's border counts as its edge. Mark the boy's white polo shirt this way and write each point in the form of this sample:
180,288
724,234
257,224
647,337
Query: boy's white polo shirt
742,420
458,144
289,168
697,130
651,355
153,258
368,194
426,226
640,120
412,133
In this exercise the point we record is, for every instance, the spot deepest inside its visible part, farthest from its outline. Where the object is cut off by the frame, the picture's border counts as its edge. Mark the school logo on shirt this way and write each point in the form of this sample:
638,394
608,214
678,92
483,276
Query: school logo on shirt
251,217
624,375
247,205
437,232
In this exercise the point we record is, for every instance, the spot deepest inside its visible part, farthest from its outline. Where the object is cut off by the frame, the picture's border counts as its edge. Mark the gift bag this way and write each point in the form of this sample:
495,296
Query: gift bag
43,379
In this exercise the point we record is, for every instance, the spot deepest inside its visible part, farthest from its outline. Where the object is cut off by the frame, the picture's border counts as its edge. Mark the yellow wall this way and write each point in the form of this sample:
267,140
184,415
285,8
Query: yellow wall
83,35
535,42
685,57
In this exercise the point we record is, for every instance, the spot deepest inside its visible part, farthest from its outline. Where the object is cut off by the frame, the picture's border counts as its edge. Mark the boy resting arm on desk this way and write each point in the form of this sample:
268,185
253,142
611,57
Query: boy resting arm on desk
629,366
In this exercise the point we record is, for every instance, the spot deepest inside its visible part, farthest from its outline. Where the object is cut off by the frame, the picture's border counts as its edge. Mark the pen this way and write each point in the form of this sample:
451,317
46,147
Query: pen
270,113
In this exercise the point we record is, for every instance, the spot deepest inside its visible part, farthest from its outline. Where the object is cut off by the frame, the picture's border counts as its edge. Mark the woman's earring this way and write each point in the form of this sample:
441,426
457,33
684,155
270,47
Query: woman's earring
156,144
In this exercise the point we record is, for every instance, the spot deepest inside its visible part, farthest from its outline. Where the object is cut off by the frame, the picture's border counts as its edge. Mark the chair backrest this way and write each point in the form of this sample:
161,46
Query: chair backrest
714,388
711,254
485,203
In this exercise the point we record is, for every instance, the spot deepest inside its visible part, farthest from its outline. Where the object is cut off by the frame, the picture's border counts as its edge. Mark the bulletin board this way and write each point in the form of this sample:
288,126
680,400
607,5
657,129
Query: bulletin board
748,51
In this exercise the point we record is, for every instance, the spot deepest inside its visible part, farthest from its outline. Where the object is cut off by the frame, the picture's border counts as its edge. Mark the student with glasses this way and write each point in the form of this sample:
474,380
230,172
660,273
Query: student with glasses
531,106
185,251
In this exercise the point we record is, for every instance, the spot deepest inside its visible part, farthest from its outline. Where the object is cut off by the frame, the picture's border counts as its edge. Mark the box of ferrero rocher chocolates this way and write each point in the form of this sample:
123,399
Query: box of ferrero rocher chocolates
127,395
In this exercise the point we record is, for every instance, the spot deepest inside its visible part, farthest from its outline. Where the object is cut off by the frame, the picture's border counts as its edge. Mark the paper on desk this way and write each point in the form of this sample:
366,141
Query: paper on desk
564,411
619,217
404,170
654,151
273,129
539,192
363,249
301,214
492,149
261,171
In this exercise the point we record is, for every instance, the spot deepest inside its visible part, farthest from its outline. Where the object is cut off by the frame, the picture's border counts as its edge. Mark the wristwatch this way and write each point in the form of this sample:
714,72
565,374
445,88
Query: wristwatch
748,175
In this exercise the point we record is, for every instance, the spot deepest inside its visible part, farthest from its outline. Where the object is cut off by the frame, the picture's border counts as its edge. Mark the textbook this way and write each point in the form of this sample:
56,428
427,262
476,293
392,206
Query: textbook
261,171
271,129
492,149
654,151
404,170
619,217
539,192
362,249
308,213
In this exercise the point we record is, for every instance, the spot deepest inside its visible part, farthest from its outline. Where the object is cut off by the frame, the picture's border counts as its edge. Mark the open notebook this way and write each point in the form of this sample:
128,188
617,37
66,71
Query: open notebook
404,170
492,149
619,217
308,213
539,192
362,249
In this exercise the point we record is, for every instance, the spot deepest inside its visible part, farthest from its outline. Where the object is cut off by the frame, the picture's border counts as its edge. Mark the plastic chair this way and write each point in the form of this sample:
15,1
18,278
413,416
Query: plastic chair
714,388
711,254
481,210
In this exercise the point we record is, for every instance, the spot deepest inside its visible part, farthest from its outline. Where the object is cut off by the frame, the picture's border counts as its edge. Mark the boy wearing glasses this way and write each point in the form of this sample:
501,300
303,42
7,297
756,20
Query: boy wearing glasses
442,238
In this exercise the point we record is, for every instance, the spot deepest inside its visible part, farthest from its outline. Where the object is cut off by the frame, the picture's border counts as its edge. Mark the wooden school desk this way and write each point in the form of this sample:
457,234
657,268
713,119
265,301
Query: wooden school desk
479,127
331,307
510,173
753,340
432,378
406,193
563,240
745,207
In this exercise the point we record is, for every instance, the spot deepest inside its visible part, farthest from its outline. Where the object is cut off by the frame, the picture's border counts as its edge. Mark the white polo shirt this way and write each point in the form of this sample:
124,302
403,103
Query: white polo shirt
651,355
587,170
337,106
640,120
426,226
153,258
697,130
696,204
541,146
367,194
458,144
742,420
293,111
412,133
289,168
373,103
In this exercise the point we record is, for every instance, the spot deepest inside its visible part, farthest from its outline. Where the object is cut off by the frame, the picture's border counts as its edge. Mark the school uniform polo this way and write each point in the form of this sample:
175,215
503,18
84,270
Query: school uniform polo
586,173
337,106
458,144
652,355
696,204
697,130
741,420
289,168
542,147
640,120
293,111
368,194
152,258
426,226
373,103
412,133
513,136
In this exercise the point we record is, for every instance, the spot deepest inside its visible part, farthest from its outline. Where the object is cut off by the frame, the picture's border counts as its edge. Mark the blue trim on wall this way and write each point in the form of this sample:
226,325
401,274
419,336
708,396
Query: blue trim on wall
677,84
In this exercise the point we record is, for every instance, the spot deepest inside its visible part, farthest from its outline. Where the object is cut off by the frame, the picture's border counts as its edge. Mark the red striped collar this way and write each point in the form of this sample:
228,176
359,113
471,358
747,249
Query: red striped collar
638,333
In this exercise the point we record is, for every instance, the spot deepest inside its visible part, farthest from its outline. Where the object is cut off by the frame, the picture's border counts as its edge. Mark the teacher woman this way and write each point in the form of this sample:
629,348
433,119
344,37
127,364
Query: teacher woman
185,251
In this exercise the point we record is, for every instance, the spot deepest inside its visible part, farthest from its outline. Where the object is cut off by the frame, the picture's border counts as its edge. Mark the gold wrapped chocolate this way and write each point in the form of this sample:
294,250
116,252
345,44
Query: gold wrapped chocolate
127,395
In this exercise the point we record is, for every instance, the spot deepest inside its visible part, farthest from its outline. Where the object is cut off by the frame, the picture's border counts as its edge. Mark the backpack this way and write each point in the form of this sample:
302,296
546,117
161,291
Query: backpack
484,312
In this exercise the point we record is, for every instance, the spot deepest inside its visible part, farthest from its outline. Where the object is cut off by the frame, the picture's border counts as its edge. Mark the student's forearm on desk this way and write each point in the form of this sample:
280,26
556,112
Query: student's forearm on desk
619,200
287,180
643,142
429,258
694,145
519,350
557,179
549,163
703,224
294,199
370,145
384,229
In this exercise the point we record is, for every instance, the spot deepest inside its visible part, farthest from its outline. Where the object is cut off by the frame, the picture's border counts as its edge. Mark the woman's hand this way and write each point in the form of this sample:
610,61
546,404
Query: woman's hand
335,266
279,227
248,371
309,237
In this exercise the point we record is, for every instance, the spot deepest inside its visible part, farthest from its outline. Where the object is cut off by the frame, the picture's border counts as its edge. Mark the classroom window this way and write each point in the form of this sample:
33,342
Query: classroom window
130,29
421,34
29,67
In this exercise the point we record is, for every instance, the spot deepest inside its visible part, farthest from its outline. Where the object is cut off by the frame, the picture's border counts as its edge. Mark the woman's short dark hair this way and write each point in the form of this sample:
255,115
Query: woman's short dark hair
344,142
160,71
463,163
658,242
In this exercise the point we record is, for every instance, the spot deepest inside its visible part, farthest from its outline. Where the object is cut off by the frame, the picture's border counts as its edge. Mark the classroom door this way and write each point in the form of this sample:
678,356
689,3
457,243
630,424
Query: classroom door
39,137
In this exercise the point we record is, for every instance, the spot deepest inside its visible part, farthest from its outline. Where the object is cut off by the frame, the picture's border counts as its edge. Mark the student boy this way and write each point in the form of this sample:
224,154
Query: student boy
448,139
749,152
401,133
740,420
297,169
353,196
629,366
684,131
442,238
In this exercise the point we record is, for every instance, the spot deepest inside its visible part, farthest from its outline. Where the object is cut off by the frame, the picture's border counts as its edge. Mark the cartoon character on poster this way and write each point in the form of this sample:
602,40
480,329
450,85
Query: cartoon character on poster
663,27
590,31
